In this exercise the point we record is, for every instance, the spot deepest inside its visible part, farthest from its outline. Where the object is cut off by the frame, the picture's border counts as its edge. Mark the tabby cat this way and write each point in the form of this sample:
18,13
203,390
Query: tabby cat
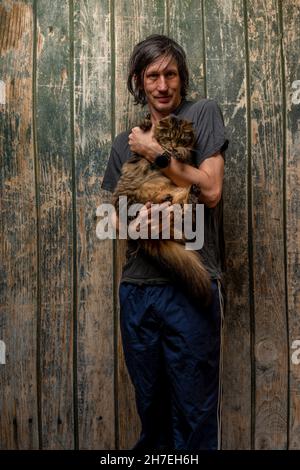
142,181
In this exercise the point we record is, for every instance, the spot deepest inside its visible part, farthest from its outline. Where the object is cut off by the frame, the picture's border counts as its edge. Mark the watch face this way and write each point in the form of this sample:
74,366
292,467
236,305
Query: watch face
163,160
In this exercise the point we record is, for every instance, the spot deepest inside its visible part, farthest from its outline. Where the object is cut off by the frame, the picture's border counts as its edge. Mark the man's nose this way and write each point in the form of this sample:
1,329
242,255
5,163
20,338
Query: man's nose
162,84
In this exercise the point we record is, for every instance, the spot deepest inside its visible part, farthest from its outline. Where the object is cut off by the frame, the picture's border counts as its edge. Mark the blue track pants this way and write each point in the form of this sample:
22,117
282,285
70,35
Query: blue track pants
172,352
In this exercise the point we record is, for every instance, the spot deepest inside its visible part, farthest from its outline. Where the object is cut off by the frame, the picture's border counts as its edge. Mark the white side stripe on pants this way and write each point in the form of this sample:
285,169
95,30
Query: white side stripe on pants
221,300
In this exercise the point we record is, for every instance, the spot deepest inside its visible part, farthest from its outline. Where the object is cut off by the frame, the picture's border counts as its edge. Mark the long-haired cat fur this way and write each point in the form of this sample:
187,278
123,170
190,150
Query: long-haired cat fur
142,181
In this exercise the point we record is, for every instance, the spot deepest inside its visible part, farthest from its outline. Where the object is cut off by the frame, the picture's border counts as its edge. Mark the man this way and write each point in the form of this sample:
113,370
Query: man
171,346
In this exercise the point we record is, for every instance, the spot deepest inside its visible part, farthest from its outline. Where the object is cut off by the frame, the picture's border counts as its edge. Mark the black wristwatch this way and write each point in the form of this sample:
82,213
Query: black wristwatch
162,160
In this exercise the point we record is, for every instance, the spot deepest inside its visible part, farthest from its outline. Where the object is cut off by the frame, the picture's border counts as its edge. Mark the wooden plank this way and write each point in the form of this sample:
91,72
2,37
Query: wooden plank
268,225
18,274
186,27
133,22
226,82
95,267
291,45
55,225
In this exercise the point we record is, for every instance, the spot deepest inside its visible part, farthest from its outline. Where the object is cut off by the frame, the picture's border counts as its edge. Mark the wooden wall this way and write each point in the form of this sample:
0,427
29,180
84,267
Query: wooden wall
63,98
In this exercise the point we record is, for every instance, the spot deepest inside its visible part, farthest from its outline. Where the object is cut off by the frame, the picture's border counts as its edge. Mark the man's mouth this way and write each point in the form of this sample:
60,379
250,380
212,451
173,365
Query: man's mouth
163,99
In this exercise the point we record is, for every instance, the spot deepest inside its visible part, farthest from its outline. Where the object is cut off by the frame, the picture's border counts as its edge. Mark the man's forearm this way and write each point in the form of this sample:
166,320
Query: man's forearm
180,173
183,174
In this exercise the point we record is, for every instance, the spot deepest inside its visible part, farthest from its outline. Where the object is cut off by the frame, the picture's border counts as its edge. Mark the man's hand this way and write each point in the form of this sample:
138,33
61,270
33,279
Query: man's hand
144,143
147,221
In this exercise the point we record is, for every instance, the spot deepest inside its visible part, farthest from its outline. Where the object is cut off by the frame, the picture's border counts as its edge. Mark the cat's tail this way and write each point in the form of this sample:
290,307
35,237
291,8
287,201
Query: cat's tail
183,266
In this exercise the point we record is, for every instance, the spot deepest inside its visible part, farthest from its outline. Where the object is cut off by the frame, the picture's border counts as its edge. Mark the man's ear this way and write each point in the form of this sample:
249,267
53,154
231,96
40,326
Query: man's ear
135,78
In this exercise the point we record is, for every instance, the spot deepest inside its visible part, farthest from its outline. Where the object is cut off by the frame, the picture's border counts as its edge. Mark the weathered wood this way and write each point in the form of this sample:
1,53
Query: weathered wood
96,398
55,225
291,42
226,82
268,230
133,22
63,96
18,274
186,27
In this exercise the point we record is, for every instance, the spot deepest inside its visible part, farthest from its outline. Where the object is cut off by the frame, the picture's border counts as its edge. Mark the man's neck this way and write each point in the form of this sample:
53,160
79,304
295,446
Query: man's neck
156,116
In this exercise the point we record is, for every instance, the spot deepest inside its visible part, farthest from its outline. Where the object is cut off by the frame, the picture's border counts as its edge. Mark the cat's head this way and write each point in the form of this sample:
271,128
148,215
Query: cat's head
172,131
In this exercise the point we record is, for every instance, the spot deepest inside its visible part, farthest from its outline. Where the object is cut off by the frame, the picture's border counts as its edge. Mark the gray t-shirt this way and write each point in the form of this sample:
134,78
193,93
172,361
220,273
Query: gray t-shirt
208,124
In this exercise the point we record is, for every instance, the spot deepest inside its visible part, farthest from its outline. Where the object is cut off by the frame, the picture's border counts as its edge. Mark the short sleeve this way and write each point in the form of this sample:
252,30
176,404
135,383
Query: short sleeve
210,132
113,171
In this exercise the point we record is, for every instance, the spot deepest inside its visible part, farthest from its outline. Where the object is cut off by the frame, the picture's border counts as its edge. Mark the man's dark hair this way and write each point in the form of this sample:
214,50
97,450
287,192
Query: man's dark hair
146,52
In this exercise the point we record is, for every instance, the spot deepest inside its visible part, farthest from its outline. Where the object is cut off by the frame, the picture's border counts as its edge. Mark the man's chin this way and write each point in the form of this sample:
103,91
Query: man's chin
165,108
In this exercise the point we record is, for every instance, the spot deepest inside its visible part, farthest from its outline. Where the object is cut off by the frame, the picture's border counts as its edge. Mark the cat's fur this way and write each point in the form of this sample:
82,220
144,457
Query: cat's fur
141,181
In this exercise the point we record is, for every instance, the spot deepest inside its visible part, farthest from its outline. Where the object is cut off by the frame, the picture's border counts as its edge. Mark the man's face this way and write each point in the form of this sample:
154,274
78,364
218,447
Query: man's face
162,86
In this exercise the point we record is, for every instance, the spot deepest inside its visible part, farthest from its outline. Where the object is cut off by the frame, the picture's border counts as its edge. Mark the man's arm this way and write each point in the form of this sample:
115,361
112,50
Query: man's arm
208,176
